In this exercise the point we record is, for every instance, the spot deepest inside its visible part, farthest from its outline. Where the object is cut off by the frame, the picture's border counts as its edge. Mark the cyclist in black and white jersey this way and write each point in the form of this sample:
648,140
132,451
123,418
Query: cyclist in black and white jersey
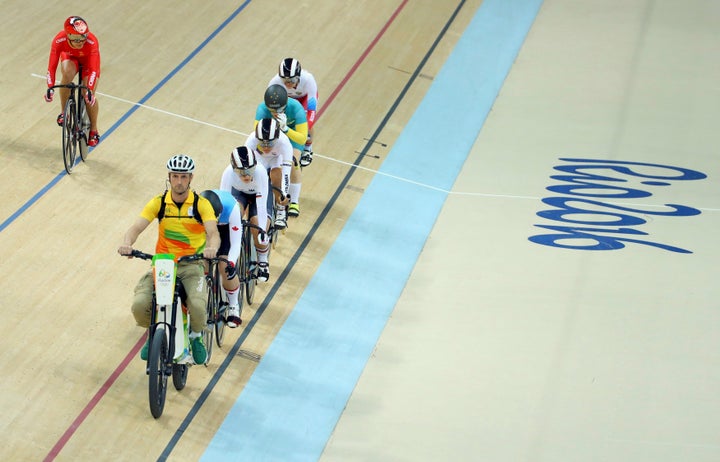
249,185
275,152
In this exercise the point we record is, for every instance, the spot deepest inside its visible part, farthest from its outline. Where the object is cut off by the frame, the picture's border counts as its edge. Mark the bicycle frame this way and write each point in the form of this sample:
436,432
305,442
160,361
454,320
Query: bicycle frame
76,126
167,308
216,305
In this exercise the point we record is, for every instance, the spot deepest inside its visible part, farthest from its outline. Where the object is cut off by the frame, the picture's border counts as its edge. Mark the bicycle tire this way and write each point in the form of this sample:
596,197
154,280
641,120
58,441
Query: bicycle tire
68,137
84,129
209,331
220,309
157,361
179,375
249,265
274,231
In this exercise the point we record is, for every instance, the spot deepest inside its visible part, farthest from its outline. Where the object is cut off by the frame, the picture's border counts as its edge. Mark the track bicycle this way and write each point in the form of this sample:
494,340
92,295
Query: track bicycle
248,265
76,123
169,352
217,305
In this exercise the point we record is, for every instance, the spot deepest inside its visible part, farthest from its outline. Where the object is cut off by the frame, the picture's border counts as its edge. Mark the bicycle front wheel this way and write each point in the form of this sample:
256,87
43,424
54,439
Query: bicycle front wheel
83,129
68,138
249,265
210,310
220,315
220,309
157,360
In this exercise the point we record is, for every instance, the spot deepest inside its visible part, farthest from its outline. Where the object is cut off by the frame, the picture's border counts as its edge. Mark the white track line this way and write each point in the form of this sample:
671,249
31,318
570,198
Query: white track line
377,172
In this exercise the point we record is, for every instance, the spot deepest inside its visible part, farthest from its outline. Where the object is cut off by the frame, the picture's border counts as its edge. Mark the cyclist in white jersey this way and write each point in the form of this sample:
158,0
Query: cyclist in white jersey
275,152
229,219
247,180
302,86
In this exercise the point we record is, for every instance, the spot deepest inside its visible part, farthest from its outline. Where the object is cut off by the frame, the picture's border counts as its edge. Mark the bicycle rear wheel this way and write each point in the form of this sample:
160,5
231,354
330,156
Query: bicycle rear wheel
179,375
157,361
83,129
68,138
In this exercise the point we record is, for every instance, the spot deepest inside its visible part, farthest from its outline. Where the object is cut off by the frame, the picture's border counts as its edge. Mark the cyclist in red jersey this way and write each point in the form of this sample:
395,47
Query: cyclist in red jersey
74,45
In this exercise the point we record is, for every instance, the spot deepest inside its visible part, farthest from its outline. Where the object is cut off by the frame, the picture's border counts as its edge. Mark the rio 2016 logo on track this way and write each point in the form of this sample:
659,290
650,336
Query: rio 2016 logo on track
593,212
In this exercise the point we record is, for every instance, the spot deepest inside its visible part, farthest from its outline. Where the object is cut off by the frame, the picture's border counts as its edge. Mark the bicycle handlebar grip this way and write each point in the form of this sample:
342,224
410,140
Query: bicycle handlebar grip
140,254
193,257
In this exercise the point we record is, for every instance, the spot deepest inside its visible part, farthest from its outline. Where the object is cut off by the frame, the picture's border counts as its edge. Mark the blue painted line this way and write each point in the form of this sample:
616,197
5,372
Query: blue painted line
125,116
294,399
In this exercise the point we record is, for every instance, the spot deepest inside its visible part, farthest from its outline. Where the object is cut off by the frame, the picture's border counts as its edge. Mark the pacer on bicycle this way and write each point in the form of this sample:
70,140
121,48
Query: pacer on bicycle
249,186
187,225
229,225
74,45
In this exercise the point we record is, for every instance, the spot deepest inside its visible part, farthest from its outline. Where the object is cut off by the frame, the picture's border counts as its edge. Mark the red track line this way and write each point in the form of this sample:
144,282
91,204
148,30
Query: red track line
93,402
361,59
123,365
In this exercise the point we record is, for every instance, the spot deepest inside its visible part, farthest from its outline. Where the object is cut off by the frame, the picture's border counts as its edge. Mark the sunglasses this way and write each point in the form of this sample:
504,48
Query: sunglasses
266,143
292,80
277,110
77,38
245,171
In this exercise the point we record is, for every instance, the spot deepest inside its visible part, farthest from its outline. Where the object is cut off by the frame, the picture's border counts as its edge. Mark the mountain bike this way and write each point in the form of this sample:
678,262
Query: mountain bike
169,352
76,123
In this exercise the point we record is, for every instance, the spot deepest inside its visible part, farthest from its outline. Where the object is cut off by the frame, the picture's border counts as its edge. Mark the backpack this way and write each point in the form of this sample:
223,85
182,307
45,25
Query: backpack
196,215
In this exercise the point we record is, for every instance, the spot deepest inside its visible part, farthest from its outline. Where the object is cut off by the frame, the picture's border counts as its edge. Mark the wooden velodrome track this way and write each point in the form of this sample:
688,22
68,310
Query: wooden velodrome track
73,388
507,343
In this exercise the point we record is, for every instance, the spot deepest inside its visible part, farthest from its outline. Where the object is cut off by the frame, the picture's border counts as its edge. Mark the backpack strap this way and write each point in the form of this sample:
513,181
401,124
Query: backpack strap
161,212
196,214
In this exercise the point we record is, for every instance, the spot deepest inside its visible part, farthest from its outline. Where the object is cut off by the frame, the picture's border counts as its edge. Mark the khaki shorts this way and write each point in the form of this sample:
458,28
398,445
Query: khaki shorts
192,276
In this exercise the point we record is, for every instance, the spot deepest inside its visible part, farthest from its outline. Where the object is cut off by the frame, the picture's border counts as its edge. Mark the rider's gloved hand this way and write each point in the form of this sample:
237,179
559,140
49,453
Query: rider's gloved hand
231,270
90,98
282,121
49,95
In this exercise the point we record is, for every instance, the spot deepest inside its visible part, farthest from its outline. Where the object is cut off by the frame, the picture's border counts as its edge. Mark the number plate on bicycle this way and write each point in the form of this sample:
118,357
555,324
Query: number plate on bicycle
164,271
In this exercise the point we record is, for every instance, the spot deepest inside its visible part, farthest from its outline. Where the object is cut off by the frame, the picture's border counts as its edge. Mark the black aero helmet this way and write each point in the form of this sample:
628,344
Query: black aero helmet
267,130
242,158
214,201
276,97
289,68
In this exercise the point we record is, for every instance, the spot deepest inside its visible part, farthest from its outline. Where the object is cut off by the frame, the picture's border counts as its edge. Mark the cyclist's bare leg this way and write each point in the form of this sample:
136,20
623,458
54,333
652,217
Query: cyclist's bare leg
295,171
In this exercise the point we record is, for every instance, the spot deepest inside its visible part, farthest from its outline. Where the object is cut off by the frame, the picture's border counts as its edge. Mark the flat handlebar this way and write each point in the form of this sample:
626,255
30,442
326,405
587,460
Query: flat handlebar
187,258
